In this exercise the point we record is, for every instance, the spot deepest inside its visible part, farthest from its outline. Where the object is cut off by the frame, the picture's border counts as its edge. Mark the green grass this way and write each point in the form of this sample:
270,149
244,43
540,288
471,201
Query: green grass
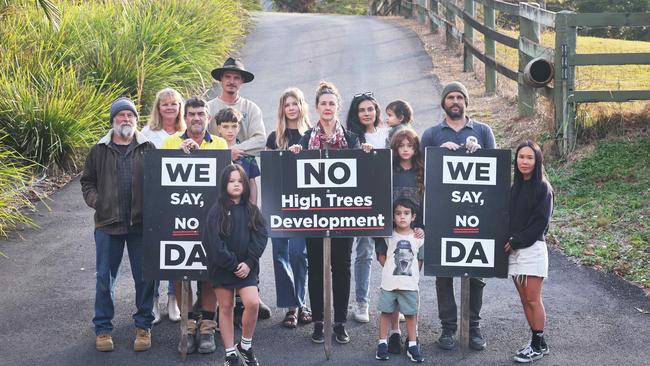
602,209
346,7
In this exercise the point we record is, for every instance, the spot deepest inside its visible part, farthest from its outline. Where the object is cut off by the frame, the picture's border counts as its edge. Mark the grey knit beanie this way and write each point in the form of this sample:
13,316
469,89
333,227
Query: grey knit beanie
121,104
454,86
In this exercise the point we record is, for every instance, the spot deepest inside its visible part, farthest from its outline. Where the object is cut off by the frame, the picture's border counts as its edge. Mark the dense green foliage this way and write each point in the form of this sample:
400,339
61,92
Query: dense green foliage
352,7
55,86
61,67
602,208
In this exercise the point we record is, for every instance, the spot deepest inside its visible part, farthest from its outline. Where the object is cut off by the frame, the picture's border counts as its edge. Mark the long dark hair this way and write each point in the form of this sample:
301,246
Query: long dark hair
225,203
416,160
353,123
539,175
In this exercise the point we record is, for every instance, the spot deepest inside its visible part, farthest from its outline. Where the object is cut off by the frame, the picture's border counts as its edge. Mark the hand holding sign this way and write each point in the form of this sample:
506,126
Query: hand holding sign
189,145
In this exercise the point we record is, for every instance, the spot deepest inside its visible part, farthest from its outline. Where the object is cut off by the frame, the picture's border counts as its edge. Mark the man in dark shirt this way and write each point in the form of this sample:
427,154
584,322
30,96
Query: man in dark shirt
457,131
112,184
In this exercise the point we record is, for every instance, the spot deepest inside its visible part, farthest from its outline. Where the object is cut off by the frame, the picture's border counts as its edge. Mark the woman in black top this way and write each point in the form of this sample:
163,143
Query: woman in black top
531,206
329,133
289,254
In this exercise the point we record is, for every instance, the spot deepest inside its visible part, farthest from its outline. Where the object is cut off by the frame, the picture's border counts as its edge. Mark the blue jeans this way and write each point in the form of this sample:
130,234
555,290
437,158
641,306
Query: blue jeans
109,249
365,249
290,268
170,288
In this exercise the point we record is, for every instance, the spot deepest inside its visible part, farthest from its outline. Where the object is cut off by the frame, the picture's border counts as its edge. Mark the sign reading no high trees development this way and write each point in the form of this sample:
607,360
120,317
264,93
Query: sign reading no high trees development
466,212
327,193
179,190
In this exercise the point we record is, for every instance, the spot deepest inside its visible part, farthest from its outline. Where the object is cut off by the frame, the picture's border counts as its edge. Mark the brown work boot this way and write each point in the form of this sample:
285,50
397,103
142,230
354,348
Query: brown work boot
206,338
142,340
104,342
191,340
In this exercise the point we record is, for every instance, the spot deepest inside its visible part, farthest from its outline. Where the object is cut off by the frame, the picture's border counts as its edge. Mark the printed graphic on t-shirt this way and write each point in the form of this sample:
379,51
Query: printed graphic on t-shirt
404,258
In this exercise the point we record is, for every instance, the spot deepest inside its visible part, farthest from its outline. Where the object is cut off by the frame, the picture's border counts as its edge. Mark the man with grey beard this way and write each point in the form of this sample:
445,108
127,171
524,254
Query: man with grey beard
112,184
458,131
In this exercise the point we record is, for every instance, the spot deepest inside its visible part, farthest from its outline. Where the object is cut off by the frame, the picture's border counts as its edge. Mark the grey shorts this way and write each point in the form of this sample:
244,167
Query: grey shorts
409,301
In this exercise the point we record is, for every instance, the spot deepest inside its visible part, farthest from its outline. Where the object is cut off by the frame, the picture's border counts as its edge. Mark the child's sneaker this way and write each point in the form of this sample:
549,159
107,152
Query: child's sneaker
545,350
247,357
528,354
382,352
414,354
232,360
395,343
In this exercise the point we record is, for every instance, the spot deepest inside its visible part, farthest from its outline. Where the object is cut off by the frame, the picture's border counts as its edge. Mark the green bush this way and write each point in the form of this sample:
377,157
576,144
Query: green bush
15,175
56,86
50,116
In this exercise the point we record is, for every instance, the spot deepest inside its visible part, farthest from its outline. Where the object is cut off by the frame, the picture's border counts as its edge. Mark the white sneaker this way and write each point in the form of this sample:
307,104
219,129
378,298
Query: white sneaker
402,319
156,311
172,309
361,312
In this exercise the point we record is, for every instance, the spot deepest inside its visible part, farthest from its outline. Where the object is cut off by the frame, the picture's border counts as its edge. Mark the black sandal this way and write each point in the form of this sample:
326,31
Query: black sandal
304,315
290,319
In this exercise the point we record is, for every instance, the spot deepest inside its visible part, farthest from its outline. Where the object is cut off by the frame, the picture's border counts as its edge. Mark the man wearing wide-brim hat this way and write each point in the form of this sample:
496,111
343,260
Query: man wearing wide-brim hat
252,135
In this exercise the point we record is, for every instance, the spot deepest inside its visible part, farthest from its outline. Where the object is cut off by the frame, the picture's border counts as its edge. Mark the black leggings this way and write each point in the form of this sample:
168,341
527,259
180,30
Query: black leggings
341,260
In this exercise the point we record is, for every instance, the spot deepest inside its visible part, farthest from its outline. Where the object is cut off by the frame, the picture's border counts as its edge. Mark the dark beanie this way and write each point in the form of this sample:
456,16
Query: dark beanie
121,104
454,86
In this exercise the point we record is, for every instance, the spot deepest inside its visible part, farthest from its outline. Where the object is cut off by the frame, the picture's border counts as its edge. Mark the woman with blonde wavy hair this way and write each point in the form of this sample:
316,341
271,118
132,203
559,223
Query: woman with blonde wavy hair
289,254
293,120
165,120
166,116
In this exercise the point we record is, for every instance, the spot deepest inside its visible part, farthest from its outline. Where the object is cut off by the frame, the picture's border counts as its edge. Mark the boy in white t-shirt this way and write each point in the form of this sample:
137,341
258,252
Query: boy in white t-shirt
399,279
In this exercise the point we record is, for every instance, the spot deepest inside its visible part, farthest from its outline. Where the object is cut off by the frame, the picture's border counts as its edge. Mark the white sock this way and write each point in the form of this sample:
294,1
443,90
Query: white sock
383,341
246,343
393,331
413,343
230,351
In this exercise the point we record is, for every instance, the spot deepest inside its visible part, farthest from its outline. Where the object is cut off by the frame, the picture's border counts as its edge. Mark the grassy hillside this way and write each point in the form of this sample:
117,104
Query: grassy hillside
602,208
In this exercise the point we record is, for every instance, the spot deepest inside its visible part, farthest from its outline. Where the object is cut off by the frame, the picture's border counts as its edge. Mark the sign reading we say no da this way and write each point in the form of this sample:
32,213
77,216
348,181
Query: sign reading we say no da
466,212
179,190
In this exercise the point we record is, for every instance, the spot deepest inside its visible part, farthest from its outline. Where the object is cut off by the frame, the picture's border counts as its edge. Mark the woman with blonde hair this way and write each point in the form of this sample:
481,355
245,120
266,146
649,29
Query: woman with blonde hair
165,120
293,120
289,254
166,116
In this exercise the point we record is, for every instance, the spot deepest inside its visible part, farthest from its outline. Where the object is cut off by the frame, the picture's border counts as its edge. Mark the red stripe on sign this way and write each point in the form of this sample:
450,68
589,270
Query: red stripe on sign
327,208
337,229
466,231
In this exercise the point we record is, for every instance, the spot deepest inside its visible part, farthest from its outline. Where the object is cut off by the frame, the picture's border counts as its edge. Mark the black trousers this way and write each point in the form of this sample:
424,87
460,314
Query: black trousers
341,260
447,311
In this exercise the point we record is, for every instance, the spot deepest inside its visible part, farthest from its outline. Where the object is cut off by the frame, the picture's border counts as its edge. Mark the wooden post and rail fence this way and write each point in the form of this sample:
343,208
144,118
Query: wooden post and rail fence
549,72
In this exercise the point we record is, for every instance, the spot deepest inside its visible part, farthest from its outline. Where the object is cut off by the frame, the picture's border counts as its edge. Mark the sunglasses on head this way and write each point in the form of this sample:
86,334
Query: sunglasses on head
365,94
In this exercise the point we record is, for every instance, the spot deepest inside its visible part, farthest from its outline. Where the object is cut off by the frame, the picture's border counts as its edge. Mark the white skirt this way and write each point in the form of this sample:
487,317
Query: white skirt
531,261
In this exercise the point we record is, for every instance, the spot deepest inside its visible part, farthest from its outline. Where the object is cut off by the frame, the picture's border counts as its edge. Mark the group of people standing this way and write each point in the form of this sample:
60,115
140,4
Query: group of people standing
234,233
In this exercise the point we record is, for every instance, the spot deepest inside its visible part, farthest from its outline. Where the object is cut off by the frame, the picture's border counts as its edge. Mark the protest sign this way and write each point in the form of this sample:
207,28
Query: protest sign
466,212
327,193
179,190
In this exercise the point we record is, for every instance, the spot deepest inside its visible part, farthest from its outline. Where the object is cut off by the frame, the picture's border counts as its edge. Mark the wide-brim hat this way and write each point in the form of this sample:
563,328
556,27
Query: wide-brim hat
232,64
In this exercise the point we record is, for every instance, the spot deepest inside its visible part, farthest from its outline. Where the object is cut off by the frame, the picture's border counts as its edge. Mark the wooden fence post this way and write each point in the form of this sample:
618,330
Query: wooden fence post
564,82
468,58
414,9
526,96
490,50
422,11
451,19
433,8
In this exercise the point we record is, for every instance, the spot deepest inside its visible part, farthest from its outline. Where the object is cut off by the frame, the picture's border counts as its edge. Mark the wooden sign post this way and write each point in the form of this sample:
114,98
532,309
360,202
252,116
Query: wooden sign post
464,314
